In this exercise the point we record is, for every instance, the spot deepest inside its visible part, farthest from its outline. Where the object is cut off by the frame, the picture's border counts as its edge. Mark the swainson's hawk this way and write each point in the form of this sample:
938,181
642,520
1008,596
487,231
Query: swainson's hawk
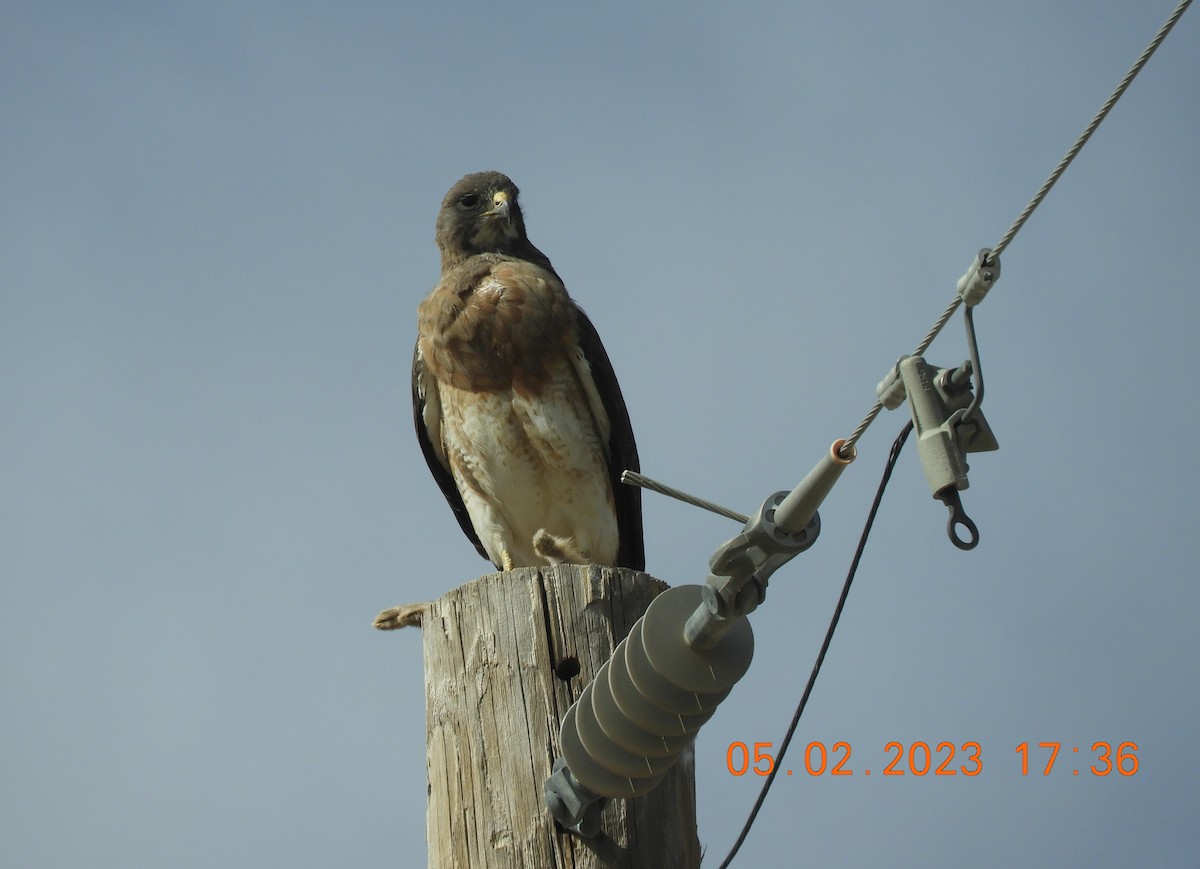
516,405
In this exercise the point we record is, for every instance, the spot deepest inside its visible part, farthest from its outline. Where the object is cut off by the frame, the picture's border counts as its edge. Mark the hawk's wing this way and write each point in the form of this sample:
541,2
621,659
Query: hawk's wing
600,382
427,416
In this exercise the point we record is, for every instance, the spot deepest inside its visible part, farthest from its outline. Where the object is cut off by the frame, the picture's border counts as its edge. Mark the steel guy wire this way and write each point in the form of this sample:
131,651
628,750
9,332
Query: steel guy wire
1037,198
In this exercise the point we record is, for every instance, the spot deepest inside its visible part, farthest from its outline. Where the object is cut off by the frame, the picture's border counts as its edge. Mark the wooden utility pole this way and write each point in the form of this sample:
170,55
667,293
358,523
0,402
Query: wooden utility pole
505,657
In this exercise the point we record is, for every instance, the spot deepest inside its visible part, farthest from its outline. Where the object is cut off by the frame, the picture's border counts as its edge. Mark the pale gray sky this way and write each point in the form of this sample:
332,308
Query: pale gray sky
217,222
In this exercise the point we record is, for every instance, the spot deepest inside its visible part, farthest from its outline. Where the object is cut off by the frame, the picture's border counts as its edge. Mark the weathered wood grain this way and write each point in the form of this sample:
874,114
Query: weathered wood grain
505,657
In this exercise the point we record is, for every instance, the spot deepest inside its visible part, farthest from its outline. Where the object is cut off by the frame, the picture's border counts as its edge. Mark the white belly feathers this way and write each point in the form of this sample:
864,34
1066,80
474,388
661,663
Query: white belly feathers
530,464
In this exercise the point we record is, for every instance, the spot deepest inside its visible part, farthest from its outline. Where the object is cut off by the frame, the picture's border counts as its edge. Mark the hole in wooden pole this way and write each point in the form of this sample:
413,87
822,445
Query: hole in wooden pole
567,669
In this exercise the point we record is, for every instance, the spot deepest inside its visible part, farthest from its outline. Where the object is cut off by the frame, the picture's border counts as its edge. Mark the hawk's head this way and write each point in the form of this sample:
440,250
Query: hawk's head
480,214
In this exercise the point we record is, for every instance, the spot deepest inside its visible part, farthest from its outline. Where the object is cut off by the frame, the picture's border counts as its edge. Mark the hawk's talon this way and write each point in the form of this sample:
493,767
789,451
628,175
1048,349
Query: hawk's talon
559,550
405,616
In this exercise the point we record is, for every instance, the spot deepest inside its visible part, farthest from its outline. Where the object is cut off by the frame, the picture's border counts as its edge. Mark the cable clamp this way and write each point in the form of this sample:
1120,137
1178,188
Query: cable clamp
891,389
979,278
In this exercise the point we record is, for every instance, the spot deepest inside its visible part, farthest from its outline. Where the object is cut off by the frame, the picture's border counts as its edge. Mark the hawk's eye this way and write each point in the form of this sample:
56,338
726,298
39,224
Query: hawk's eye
470,200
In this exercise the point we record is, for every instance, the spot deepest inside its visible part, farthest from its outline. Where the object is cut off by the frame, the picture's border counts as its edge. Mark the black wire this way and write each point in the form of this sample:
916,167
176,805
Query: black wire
897,445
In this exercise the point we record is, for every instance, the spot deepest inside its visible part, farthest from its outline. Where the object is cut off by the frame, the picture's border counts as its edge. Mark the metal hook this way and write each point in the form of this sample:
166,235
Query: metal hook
958,516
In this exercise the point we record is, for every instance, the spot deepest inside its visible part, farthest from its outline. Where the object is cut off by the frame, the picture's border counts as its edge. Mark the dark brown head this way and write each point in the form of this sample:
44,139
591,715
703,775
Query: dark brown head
481,214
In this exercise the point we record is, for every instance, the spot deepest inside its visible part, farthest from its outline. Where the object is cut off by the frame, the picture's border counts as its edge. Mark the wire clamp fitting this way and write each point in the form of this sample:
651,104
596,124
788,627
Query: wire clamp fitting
979,278
948,424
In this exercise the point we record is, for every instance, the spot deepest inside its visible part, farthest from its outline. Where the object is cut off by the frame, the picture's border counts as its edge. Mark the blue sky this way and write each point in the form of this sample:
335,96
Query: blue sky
217,222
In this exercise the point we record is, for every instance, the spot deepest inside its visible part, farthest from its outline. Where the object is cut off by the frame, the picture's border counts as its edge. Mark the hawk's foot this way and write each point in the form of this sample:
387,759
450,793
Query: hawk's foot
558,550
406,616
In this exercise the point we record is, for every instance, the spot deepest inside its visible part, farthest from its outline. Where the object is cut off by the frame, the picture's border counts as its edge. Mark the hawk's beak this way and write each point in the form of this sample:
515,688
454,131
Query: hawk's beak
499,207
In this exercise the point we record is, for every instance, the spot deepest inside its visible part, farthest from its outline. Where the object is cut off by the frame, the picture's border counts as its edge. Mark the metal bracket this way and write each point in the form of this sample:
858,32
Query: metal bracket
572,804
741,568
786,524
940,400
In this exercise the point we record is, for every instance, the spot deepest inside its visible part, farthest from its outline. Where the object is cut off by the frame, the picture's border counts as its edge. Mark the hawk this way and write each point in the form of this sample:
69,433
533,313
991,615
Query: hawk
516,405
